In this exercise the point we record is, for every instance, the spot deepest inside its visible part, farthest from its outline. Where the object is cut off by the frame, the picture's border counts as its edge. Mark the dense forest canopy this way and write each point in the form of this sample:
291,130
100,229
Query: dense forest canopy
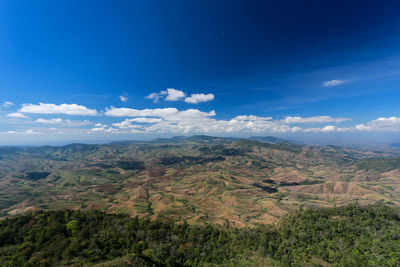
339,236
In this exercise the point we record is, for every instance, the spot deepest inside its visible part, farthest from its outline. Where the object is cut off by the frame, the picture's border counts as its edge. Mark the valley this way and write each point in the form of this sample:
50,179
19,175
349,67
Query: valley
198,179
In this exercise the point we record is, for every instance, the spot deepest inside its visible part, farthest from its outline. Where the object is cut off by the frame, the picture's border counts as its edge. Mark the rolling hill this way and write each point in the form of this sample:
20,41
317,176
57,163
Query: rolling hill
198,179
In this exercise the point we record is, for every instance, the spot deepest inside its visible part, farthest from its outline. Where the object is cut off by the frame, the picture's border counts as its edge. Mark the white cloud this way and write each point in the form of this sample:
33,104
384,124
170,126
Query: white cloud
123,98
105,129
50,121
9,132
251,118
98,129
146,120
296,129
362,127
8,104
170,94
24,132
155,96
126,124
329,128
198,98
129,112
78,123
190,114
171,114
29,132
313,119
389,124
17,115
68,109
64,122
381,124
332,83
171,120
174,95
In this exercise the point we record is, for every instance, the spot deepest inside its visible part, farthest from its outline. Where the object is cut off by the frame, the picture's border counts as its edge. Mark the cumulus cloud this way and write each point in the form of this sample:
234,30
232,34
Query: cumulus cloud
50,121
17,115
146,120
362,127
98,129
172,94
332,83
251,118
30,131
192,120
123,98
130,112
172,120
24,132
198,98
329,128
313,119
381,124
64,122
103,128
128,122
68,109
155,97
8,104
389,124
171,114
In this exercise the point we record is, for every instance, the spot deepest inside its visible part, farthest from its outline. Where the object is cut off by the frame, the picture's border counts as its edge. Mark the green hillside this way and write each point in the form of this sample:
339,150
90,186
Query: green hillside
342,236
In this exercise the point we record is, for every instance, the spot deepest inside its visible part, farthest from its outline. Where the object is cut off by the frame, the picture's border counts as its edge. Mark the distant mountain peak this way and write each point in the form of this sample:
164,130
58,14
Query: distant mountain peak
269,139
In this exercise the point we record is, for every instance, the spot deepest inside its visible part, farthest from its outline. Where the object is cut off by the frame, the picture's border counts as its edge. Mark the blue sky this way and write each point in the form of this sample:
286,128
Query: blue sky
108,70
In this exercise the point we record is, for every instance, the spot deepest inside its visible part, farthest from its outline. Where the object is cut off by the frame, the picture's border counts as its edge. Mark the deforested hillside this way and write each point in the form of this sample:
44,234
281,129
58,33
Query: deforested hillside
197,179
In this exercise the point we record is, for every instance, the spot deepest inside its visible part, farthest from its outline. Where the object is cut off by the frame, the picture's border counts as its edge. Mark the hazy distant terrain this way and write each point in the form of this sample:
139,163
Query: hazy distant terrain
199,179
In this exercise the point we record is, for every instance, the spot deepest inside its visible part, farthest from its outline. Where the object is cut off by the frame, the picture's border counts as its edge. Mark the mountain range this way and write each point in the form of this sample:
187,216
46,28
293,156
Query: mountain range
197,179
